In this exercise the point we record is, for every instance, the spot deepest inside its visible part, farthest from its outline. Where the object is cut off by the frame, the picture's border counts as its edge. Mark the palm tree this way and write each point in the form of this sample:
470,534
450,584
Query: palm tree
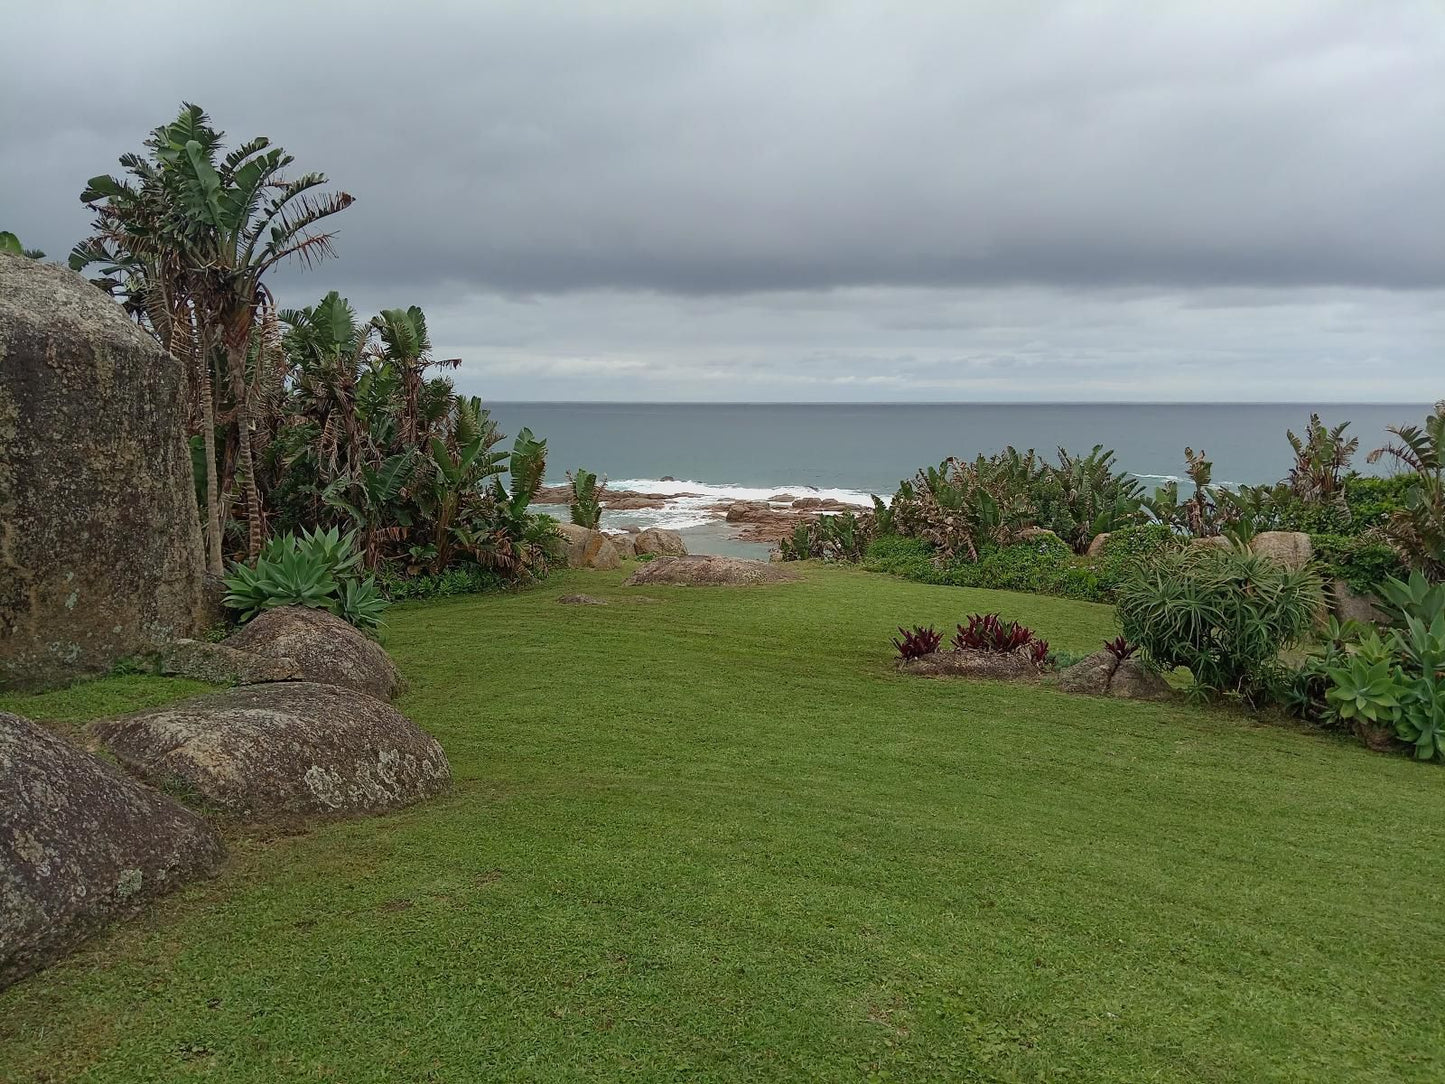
210,227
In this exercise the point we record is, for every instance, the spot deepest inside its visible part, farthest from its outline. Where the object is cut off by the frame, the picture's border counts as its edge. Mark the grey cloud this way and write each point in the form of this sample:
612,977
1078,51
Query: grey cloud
1018,199
735,149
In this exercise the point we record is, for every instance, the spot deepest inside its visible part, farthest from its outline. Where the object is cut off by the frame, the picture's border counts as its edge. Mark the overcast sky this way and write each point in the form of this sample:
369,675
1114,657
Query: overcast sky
816,201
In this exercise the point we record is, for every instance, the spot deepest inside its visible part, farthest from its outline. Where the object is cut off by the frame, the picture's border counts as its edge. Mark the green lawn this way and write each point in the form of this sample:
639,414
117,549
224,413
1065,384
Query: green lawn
716,837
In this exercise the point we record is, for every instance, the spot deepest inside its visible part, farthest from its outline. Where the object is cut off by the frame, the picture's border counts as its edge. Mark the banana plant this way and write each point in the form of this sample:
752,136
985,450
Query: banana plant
586,509
369,496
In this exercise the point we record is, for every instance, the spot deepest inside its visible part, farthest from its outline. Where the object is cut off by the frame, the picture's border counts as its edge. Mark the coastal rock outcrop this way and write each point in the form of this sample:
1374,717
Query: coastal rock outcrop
323,648
626,543
587,548
287,749
709,570
100,544
81,846
1349,605
660,542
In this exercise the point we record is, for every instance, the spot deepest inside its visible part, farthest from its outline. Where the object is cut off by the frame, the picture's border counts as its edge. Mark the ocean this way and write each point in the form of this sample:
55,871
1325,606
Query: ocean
753,450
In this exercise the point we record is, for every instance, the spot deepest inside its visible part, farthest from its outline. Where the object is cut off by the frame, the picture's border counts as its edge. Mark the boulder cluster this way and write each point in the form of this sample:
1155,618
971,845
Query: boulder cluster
307,731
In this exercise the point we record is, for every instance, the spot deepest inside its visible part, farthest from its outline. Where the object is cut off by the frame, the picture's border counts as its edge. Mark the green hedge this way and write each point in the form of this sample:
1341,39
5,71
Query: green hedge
1361,562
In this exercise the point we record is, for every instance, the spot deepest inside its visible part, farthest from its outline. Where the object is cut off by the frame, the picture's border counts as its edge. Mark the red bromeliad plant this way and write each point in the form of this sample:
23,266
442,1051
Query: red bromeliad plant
1120,648
989,632
1039,653
921,641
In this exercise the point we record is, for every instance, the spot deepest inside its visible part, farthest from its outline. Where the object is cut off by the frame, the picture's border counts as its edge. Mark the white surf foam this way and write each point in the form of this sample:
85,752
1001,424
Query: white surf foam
695,509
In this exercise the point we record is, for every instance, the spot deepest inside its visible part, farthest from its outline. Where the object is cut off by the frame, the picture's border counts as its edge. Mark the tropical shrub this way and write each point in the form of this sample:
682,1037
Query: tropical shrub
1321,462
990,633
917,642
1398,680
1125,549
844,536
320,569
1120,648
1225,614
1363,561
1417,528
1086,495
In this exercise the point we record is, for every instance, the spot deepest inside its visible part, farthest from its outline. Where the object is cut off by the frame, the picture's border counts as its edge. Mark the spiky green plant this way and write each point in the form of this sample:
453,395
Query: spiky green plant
586,507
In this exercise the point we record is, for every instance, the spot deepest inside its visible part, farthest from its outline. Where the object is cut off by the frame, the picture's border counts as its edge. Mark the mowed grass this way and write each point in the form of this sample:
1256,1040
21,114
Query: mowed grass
716,837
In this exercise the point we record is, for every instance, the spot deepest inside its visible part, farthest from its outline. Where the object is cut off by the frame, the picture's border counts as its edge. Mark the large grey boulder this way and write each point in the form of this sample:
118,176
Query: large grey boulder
100,544
1291,549
660,542
80,846
322,648
587,548
708,570
220,664
263,752
1103,674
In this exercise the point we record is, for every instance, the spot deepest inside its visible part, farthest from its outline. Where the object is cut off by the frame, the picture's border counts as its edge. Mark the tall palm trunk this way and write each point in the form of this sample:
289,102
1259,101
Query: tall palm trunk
208,442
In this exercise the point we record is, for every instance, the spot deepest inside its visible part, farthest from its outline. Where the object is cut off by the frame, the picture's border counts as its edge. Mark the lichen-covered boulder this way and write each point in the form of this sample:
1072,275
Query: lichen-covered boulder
1103,674
100,544
324,648
1349,605
709,570
587,548
1291,549
660,542
220,664
80,846
296,748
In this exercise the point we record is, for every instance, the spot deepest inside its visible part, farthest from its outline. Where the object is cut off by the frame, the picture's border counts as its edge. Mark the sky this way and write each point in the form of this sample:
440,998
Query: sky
797,201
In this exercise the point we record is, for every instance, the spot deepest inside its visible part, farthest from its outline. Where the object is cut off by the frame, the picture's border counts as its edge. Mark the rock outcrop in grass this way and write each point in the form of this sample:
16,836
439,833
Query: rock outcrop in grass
323,648
709,570
81,846
288,749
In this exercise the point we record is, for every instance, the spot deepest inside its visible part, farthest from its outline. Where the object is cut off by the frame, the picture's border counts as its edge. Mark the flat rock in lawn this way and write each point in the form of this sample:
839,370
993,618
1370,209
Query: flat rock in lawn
1001,666
326,649
708,570
80,846
265,752
221,664
1102,674
582,600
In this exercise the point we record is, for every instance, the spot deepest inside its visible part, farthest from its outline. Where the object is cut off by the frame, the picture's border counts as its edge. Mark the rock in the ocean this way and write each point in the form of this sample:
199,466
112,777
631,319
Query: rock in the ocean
324,647
80,846
287,749
1291,549
223,665
587,548
709,570
661,543
100,544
